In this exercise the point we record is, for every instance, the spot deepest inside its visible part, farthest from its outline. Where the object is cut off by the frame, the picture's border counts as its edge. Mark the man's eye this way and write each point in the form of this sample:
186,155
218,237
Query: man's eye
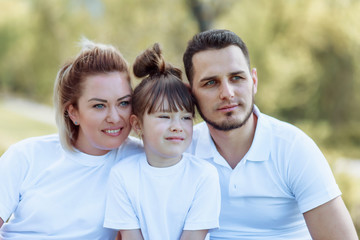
209,83
238,78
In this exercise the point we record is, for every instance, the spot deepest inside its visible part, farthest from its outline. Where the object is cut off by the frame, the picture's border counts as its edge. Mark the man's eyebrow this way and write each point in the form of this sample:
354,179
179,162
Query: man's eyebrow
208,78
236,73
214,77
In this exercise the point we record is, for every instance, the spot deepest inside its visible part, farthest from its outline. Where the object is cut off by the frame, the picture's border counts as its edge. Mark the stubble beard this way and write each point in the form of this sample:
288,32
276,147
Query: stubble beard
228,125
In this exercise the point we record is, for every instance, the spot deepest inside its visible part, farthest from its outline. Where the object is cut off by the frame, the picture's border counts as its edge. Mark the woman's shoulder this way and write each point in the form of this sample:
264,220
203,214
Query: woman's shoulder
31,143
130,147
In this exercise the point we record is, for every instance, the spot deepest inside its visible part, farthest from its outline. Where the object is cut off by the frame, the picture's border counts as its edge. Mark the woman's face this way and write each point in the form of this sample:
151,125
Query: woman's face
103,113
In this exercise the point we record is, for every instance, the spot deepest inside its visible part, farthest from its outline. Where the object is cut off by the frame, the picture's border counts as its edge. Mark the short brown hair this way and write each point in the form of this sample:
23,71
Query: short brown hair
211,39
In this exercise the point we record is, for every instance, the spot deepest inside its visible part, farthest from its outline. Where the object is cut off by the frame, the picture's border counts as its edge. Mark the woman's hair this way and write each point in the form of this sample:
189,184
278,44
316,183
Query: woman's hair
93,59
162,83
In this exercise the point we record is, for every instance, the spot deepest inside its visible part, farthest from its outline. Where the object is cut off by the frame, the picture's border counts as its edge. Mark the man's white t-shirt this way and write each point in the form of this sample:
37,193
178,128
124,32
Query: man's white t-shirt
283,175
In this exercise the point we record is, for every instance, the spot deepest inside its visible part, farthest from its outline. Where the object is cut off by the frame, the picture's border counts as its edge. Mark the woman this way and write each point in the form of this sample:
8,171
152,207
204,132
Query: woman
54,186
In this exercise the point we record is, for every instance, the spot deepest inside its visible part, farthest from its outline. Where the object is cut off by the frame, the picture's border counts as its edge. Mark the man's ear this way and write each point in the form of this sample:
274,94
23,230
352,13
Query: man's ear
73,114
136,124
255,79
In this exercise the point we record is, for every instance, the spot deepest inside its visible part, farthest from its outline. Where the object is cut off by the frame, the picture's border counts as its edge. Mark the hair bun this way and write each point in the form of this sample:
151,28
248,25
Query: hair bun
150,62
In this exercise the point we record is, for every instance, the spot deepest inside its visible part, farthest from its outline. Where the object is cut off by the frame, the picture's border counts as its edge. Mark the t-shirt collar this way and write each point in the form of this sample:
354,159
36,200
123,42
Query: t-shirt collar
259,150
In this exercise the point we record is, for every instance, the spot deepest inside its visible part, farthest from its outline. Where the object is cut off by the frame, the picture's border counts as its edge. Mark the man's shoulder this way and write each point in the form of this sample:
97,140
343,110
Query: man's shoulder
200,129
280,128
201,140
278,134
201,126
199,166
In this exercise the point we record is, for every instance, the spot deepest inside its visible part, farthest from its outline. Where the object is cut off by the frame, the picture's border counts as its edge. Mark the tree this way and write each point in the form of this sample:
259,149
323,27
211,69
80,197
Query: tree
206,12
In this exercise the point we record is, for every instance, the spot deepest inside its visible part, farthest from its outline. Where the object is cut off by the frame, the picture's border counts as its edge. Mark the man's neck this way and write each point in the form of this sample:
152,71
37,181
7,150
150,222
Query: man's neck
234,144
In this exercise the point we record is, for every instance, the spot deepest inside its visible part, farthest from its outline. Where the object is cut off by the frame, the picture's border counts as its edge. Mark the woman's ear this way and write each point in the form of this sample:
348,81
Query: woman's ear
73,114
136,124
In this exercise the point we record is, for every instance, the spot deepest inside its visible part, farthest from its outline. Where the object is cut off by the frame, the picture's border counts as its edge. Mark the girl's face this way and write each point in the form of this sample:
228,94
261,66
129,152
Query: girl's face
166,135
103,113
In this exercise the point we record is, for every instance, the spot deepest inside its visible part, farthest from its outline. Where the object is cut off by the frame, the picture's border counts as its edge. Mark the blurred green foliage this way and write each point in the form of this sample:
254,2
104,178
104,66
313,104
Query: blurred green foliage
15,127
306,52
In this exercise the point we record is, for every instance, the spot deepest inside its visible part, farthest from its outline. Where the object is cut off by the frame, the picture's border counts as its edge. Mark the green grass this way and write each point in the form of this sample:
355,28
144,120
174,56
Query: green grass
15,127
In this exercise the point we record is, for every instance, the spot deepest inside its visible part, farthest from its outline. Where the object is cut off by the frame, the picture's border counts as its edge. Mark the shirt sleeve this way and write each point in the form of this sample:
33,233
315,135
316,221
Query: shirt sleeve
119,213
309,175
205,209
13,168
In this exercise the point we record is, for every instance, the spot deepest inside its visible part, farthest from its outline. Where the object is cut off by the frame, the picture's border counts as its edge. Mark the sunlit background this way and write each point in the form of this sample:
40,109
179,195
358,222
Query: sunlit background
307,54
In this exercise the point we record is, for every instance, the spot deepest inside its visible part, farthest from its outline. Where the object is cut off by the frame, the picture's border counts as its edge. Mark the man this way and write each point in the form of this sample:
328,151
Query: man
275,182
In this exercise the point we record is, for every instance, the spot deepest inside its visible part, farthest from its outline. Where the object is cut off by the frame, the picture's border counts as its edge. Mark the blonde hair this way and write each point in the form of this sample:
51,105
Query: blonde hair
94,58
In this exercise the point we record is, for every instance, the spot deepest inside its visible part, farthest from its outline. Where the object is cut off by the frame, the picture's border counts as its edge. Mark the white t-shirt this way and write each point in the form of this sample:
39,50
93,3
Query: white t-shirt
163,202
55,194
283,175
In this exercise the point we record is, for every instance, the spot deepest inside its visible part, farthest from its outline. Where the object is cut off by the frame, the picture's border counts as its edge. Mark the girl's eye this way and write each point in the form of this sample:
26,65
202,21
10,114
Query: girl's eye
164,116
99,106
188,118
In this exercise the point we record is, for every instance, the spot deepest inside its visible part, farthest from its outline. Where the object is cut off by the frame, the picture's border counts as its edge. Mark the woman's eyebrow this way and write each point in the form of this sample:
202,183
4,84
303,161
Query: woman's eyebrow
105,101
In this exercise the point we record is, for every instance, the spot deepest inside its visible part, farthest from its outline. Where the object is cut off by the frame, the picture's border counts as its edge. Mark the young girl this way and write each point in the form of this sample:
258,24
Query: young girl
162,193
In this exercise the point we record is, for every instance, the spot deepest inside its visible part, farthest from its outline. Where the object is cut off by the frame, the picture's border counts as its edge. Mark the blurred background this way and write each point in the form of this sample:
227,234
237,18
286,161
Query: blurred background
307,54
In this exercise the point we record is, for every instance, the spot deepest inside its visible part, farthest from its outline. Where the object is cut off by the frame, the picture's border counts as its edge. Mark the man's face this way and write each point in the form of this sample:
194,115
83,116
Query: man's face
224,87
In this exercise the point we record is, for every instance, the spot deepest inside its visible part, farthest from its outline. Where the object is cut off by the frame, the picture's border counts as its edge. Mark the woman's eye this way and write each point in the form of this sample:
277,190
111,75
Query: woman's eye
99,106
124,103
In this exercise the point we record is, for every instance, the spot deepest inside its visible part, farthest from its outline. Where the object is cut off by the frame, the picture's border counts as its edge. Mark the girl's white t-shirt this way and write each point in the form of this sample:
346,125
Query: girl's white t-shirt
163,202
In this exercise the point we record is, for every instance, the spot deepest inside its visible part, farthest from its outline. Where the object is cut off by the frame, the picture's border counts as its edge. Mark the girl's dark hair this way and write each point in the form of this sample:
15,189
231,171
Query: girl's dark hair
162,83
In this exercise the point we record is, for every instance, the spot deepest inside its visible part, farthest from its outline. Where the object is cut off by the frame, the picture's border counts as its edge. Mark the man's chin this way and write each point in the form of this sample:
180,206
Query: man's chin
225,126
230,123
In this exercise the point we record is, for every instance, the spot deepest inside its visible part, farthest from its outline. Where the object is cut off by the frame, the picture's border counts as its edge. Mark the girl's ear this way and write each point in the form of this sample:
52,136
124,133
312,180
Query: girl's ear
136,124
73,114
